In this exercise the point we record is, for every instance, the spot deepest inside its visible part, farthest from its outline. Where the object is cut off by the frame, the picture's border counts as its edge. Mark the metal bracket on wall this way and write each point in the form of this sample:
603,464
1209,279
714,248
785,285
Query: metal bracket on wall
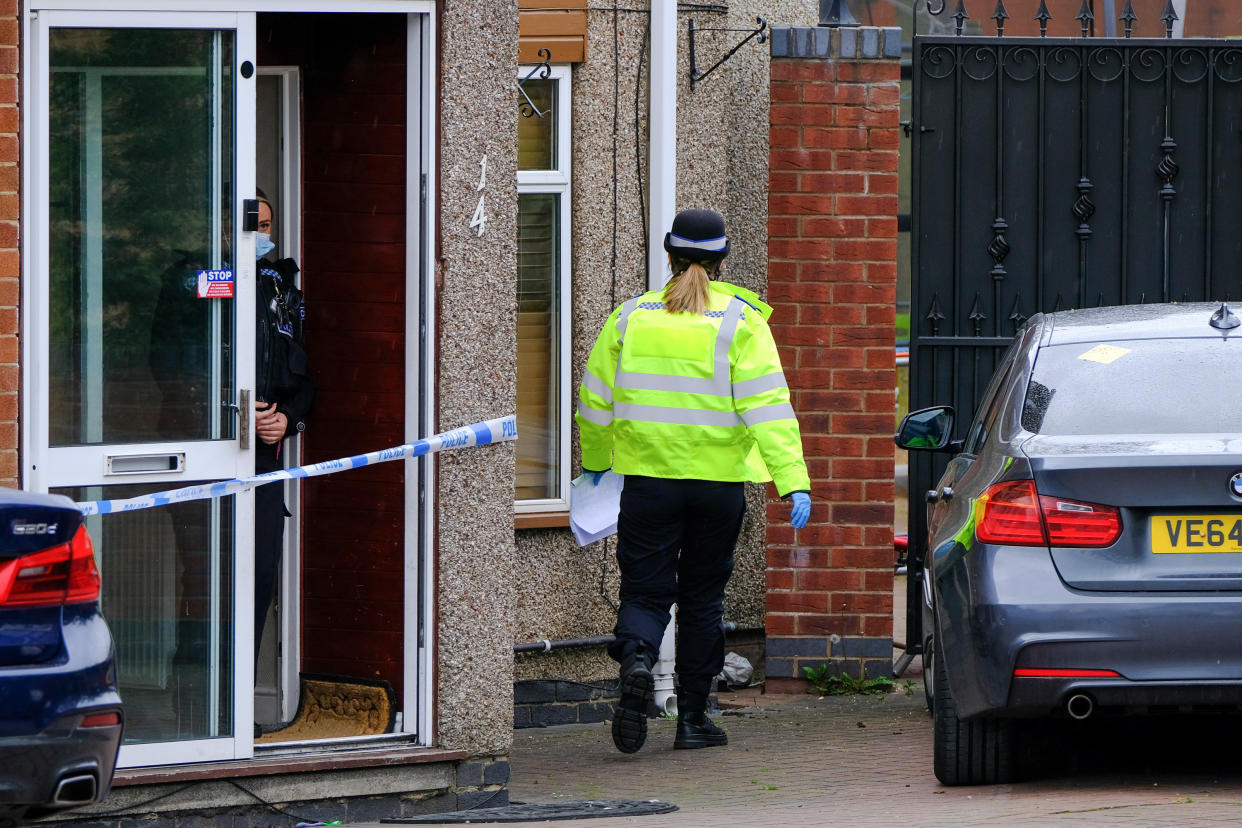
541,71
696,75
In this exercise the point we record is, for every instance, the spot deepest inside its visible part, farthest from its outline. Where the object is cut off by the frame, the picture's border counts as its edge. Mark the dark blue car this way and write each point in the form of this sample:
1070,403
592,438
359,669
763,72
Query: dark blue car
60,713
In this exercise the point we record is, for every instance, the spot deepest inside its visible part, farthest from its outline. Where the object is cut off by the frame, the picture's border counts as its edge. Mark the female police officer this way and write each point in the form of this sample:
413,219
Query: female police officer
684,395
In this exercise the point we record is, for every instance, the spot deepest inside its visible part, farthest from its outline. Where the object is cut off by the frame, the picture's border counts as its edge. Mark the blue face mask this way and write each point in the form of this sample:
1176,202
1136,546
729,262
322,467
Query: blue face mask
263,245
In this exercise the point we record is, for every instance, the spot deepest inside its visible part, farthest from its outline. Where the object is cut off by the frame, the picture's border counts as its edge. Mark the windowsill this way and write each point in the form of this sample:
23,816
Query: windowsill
316,761
541,520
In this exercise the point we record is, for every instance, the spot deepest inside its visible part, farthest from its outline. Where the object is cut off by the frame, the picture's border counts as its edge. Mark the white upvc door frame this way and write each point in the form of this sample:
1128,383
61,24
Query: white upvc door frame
419,638
422,166
45,467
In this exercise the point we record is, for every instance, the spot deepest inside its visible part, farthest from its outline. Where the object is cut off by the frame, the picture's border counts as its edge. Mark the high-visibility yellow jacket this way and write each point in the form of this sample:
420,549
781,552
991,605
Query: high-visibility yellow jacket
691,396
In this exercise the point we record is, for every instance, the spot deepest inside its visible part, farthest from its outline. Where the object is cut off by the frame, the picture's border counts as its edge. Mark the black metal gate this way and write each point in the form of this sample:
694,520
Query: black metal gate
1057,173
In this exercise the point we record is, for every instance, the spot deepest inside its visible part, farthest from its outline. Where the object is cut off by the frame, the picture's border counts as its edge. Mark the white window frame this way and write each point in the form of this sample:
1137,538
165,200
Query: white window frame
557,181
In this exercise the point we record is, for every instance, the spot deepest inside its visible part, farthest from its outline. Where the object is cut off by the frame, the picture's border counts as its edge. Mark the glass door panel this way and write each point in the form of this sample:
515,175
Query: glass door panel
141,201
167,594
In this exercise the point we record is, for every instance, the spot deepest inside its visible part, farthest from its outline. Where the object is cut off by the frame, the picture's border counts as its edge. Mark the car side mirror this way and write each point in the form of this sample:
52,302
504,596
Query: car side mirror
928,429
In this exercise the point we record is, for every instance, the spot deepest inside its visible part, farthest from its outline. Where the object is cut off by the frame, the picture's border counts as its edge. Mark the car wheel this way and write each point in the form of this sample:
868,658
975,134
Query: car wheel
929,683
972,752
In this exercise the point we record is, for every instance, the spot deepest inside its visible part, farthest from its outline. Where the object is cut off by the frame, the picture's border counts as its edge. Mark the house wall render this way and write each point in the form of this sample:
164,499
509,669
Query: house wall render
476,371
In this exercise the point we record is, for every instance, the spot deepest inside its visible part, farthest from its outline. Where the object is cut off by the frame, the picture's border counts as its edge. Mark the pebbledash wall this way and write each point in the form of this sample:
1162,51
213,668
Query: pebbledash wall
832,274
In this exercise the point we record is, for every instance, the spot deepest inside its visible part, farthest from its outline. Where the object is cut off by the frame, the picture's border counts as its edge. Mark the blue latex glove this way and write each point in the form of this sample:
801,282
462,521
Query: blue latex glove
801,512
594,476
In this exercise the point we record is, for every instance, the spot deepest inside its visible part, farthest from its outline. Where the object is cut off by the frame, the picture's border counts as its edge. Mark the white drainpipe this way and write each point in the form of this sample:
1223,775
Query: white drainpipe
662,151
662,175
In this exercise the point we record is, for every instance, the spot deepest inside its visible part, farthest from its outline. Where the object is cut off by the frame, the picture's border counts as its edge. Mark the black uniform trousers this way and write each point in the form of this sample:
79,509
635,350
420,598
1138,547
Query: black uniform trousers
675,541
269,535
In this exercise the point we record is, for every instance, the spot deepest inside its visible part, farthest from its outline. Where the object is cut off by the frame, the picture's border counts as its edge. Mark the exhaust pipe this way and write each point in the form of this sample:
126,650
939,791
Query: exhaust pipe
1080,706
75,790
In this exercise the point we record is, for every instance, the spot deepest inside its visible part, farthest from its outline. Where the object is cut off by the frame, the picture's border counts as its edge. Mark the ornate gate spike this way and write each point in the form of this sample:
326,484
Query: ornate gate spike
1128,17
1000,16
1169,16
1043,16
1086,17
960,16
935,315
977,316
1016,316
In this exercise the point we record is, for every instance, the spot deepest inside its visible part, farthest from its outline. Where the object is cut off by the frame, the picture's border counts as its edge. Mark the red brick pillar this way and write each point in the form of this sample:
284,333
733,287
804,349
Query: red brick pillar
10,268
832,272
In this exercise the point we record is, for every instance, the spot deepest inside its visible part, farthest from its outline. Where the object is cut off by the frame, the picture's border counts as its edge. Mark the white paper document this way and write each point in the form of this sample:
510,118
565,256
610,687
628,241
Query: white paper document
593,509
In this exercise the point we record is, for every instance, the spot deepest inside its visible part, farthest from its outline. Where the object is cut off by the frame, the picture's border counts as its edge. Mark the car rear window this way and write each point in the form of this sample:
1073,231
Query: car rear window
1150,386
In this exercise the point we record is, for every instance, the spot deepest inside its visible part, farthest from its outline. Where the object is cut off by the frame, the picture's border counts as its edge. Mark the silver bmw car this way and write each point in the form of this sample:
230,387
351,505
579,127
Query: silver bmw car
1084,547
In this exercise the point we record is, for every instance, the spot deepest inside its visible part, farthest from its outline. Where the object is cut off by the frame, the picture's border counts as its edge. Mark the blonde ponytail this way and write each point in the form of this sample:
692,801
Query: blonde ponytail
688,291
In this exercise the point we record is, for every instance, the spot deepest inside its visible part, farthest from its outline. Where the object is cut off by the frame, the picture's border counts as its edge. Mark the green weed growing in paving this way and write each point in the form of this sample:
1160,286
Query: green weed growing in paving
826,683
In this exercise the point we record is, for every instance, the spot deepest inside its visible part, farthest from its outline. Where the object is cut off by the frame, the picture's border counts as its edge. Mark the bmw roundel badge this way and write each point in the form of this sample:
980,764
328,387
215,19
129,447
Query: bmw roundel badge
1235,485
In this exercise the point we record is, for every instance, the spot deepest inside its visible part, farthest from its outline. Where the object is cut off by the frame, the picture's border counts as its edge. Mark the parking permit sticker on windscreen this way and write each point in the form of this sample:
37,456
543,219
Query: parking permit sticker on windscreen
1104,354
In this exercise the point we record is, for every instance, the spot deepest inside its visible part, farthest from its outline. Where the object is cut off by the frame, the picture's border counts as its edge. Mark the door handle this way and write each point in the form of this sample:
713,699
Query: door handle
243,417
243,425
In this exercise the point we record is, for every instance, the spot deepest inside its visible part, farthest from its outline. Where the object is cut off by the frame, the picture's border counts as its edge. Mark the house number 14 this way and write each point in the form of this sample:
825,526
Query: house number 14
478,221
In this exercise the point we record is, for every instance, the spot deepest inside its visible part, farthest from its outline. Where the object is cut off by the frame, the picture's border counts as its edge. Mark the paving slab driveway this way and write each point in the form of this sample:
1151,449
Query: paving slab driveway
858,760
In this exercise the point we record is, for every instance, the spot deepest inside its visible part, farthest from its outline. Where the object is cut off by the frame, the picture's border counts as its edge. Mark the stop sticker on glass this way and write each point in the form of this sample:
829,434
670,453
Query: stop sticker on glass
215,284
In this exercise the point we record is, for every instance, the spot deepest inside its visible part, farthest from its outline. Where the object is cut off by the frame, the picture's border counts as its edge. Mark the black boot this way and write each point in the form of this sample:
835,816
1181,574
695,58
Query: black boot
695,730
629,718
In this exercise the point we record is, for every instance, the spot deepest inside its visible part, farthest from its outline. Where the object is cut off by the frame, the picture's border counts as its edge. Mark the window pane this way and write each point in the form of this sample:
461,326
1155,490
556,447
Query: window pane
1137,387
141,173
538,399
537,136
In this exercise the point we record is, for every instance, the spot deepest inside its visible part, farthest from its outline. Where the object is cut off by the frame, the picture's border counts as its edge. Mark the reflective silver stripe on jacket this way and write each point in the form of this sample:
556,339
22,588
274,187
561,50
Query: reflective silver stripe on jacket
676,416
717,385
594,415
623,318
768,413
596,385
757,385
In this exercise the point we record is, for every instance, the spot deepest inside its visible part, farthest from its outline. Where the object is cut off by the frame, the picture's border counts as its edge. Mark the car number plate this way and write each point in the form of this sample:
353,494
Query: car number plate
1195,534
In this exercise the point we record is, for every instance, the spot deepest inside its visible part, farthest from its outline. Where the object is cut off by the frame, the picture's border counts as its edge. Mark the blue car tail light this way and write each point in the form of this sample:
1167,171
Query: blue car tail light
1014,513
61,574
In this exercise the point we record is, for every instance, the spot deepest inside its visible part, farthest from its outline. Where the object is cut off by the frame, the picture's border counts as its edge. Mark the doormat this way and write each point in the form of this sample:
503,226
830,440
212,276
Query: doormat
335,707
523,812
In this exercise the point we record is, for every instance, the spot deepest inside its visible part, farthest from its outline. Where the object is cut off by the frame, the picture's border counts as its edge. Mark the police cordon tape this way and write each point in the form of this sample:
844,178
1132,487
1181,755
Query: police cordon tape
499,430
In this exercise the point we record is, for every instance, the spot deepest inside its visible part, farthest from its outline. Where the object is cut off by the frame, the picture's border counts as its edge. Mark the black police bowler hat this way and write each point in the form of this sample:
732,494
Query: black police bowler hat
697,235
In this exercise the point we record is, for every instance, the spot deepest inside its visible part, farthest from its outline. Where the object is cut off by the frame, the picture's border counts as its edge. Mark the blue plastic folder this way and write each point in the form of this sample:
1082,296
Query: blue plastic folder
593,509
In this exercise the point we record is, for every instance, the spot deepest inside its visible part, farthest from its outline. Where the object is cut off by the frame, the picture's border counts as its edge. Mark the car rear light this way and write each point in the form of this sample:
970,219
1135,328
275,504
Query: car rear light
63,574
1028,672
1015,514
101,719
1008,513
